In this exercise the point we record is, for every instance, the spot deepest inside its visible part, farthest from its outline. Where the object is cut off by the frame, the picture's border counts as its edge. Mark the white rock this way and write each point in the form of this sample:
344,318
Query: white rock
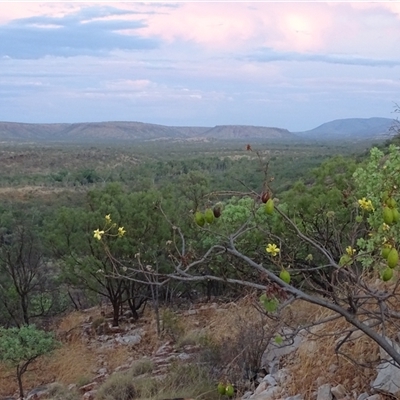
132,339
261,387
297,397
324,392
268,394
270,380
362,396
282,375
388,377
339,391
275,351
374,397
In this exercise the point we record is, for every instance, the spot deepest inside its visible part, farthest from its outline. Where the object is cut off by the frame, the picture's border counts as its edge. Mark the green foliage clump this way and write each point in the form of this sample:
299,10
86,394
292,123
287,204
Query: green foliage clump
378,181
19,347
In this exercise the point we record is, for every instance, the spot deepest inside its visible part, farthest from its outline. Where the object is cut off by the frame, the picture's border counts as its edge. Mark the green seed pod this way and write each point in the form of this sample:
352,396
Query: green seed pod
229,390
199,218
209,216
393,258
269,206
387,274
221,388
396,215
387,215
391,202
285,276
385,252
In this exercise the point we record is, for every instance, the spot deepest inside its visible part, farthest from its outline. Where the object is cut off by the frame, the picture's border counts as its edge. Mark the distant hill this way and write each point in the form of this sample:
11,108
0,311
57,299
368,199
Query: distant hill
128,131
351,128
341,129
90,131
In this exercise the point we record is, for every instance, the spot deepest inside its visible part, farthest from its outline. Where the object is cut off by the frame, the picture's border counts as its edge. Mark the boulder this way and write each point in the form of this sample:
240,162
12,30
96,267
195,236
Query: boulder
41,391
274,351
388,378
338,391
324,392
268,394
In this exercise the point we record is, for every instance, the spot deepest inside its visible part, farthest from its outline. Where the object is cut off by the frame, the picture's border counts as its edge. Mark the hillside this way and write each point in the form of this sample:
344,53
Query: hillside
88,131
130,131
347,129
351,128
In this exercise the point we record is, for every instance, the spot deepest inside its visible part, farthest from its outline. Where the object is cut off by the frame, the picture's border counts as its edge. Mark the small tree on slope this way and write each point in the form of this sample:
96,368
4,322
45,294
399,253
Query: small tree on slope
19,347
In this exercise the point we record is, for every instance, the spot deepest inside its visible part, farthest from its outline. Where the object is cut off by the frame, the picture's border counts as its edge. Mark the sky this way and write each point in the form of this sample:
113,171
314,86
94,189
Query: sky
292,65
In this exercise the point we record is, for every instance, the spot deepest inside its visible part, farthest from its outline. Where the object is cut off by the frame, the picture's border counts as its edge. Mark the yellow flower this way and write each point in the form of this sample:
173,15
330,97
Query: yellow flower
98,234
273,249
385,227
350,251
108,218
366,204
121,231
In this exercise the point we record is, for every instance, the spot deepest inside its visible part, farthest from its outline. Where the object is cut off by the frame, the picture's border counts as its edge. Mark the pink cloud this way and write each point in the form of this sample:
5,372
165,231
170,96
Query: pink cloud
283,26
228,27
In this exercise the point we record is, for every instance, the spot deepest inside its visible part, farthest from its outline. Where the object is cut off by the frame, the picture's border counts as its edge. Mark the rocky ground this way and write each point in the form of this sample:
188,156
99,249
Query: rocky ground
294,365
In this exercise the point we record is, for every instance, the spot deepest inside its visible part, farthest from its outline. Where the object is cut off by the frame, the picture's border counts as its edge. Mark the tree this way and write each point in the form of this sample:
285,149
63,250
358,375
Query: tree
84,262
19,347
25,287
299,264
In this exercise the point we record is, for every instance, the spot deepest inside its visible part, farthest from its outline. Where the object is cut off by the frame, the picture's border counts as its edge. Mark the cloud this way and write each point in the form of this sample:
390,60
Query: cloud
268,55
89,31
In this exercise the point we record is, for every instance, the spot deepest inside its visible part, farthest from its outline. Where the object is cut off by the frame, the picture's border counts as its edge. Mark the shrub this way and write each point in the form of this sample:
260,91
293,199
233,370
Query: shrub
188,380
171,325
117,387
141,367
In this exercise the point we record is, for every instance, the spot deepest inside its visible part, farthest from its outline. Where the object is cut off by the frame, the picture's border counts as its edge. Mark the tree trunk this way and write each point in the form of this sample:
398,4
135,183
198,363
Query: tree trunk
116,304
132,307
20,371
24,306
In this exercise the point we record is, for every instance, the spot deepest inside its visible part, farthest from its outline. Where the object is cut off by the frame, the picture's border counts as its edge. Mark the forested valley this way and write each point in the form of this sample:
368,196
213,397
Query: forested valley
143,197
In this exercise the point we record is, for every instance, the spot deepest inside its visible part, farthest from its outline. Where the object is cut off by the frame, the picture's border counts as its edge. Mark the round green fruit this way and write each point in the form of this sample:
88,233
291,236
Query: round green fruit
199,218
387,215
387,274
285,276
209,216
396,215
385,196
221,388
269,206
391,202
385,252
229,390
393,258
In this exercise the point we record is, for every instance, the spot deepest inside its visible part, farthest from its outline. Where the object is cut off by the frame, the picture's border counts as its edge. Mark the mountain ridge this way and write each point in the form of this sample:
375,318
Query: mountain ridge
350,128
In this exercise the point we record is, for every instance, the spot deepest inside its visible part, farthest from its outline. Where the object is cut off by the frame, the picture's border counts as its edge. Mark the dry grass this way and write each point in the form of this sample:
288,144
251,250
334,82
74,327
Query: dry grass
314,363
68,364
71,363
